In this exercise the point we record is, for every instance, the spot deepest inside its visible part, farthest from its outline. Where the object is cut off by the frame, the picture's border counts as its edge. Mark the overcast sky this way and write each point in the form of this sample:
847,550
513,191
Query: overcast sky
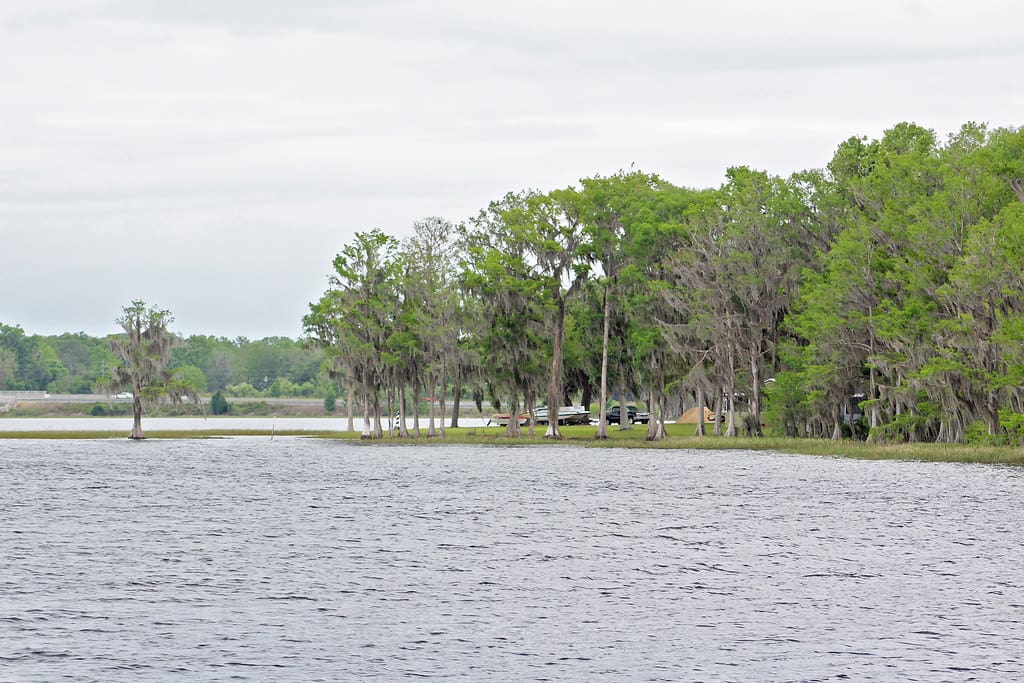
211,156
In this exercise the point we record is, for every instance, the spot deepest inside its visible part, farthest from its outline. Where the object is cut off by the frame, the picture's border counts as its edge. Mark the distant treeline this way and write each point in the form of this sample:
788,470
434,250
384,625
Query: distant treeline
882,295
80,364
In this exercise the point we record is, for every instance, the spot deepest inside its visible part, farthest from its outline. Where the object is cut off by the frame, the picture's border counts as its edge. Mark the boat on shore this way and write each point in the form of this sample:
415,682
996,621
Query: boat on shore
502,419
567,415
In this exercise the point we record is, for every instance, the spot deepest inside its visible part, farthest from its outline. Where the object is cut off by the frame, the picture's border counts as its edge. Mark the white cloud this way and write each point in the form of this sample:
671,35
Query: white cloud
232,147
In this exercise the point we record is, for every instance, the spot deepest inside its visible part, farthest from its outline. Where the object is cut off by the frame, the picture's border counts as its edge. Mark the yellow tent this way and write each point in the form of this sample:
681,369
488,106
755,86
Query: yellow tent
691,415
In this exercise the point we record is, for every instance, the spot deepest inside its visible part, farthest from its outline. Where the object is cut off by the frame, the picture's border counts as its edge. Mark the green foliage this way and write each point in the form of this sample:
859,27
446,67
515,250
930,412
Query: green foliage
185,384
331,399
283,387
218,404
29,363
1010,431
1012,425
919,424
80,364
243,390
511,297
258,408
977,434
256,362
86,360
352,320
787,404
8,368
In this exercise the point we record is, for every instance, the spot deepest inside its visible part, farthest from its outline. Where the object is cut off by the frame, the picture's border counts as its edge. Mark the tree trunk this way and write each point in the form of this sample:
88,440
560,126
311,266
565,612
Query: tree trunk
586,395
873,421
730,426
456,400
662,400
718,411
531,424
602,420
624,421
513,428
403,431
731,429
700,410
655,425
992,414
656,404
350,405
441,398
378,428
755,390
872,380
367,414
416,409
555,381
136,432
1017,185
431,429
391,411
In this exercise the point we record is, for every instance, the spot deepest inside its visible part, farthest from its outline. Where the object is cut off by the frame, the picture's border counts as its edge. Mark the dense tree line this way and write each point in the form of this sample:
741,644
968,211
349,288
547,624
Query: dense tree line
80,364
882,295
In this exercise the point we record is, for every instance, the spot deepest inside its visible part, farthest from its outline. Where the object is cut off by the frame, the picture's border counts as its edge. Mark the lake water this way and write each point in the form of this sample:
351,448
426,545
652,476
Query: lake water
302,560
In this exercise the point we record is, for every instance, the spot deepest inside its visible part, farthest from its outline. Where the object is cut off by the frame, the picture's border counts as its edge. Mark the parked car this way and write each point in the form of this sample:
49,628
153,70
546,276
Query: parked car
632,414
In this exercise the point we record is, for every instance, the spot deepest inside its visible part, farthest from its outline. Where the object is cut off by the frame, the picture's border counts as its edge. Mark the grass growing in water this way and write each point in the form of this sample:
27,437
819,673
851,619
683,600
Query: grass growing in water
679,437
165,434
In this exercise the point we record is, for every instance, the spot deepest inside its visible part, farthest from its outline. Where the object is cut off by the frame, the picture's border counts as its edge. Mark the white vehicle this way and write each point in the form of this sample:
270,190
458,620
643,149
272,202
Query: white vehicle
567,415
124,395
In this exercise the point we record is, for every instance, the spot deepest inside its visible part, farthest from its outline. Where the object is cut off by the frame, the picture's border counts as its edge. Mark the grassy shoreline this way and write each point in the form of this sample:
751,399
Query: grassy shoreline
680,437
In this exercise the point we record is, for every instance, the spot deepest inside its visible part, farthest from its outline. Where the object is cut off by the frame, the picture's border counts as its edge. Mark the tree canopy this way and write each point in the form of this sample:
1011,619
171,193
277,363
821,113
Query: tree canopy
880,295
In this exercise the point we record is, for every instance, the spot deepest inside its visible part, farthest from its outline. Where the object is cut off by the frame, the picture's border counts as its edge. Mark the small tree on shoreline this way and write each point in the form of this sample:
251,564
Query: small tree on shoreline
143,352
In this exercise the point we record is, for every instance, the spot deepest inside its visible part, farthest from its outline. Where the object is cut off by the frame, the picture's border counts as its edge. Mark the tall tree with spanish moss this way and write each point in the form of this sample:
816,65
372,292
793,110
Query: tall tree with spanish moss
143,353
354,317
498,271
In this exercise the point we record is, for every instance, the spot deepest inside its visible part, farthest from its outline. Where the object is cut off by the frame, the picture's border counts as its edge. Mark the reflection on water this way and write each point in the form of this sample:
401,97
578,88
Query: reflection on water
298,560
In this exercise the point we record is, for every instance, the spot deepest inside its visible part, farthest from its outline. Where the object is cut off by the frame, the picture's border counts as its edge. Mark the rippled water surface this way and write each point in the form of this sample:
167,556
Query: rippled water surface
301,560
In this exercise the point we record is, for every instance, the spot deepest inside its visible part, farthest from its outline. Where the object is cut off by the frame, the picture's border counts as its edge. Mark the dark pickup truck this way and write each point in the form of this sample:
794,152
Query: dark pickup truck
632,414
